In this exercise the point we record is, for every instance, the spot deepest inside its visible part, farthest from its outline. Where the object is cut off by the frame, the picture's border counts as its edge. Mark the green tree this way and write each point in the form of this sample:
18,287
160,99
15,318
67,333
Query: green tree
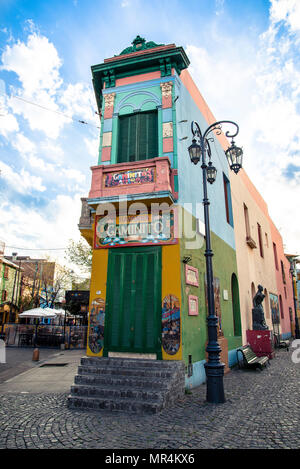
80,254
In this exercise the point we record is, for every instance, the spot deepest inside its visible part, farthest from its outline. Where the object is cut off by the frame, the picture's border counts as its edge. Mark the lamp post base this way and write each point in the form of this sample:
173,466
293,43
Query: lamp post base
214,385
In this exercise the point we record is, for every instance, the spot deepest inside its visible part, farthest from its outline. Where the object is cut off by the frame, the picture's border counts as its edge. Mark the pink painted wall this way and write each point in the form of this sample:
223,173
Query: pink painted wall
287,293
138,78
163,181
284,289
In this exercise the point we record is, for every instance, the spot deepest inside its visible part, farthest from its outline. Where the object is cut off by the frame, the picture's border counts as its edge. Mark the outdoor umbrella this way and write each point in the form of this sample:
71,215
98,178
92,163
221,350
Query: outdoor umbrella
38,313
60,312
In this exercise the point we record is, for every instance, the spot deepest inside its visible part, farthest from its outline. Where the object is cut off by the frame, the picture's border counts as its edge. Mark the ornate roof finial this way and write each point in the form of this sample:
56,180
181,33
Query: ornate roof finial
139,43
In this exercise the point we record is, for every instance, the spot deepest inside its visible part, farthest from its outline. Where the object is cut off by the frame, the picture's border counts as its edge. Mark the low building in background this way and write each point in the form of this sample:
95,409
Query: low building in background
10,287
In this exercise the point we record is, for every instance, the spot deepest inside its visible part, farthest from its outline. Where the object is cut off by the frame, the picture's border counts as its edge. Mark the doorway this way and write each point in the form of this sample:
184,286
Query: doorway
133,301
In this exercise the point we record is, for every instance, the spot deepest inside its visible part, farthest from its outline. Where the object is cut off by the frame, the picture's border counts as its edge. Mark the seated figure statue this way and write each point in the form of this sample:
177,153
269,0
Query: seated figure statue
257,311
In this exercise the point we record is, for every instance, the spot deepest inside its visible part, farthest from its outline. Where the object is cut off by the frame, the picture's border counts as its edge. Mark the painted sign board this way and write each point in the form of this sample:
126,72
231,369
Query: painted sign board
135,176
135,230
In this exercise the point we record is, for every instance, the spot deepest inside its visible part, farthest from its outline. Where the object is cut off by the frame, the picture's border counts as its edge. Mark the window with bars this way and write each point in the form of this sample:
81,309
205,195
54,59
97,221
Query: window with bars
138,137
261,249
275,256
228,204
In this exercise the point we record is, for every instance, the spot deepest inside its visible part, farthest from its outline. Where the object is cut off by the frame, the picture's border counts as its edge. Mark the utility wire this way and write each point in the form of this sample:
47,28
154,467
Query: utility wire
36,249
50,110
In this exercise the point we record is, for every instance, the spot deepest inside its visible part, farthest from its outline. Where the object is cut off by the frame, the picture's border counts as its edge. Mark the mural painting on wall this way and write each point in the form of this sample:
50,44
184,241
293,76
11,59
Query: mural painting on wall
96,329
139,176
171,324
133,230
217,298
274,308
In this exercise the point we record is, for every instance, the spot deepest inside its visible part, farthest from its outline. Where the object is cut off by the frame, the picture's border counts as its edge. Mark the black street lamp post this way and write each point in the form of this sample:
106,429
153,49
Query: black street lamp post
213,367
292,271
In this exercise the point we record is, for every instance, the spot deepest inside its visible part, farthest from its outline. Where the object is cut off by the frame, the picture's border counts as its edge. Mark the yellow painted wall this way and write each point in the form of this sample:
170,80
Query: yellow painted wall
171,285
98,283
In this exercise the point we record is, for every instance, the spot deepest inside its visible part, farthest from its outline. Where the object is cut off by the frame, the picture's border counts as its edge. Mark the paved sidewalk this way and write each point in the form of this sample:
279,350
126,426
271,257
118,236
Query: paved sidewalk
261,411
55,374
19,359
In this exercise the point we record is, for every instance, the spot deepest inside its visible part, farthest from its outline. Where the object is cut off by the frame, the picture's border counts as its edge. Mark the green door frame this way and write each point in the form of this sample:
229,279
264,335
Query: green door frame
131,299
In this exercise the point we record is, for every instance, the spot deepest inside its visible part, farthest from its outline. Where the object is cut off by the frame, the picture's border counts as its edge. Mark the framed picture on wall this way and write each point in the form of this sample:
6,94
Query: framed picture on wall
191,276
193,305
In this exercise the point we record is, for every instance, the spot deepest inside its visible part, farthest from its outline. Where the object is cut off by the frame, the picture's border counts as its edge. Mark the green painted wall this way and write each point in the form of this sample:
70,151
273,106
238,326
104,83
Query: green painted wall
194,328
7,283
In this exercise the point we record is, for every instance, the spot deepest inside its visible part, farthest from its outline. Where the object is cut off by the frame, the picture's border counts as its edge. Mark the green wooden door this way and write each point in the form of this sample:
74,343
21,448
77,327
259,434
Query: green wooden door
133,306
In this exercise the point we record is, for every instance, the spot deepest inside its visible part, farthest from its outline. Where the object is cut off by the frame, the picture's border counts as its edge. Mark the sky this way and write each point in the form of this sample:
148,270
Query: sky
245,61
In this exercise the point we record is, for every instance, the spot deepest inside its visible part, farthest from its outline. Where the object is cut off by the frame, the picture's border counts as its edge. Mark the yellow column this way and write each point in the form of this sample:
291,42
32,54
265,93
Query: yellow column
171,285
97,302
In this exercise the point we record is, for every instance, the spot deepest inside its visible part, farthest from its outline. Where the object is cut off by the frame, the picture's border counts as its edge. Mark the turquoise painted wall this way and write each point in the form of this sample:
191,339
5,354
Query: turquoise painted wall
190,176
142,96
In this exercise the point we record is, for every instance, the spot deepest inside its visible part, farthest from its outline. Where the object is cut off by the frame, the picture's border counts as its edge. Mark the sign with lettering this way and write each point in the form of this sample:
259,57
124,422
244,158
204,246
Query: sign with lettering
137,176
134,230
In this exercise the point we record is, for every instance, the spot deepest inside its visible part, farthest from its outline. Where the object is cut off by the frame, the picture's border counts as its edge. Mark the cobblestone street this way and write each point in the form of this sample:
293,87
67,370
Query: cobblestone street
261,411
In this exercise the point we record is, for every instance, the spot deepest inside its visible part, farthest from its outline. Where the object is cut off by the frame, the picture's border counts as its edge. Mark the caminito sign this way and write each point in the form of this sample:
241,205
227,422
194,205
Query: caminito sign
135,230
139,176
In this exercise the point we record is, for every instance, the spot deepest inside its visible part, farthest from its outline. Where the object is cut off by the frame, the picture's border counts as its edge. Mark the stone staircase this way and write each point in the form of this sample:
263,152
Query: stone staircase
126,384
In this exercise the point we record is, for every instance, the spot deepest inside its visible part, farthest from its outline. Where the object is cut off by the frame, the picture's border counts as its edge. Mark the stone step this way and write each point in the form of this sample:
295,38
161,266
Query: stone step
116,393
131,382
128,363
131,406
131,385
122,371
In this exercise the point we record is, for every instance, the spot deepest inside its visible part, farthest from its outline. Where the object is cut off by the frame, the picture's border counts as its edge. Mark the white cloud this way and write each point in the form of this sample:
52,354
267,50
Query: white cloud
45,117
73,174
8,122
50,228
36,63
79,100
259,88
92,146
23,145
41,98
288,11
23,182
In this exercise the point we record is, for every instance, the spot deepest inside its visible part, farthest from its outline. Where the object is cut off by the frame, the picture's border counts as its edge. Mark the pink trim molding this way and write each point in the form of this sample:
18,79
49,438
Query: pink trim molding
188,281
193,305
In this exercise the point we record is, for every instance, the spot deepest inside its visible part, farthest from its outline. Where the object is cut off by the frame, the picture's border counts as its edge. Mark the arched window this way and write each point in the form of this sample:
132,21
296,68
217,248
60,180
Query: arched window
236,306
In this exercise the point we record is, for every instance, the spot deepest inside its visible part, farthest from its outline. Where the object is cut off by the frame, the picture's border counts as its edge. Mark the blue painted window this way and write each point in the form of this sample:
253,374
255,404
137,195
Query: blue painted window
227,197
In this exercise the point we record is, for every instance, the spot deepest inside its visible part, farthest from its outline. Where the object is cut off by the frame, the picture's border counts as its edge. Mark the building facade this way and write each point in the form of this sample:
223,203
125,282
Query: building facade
144,217
36,281
10,274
